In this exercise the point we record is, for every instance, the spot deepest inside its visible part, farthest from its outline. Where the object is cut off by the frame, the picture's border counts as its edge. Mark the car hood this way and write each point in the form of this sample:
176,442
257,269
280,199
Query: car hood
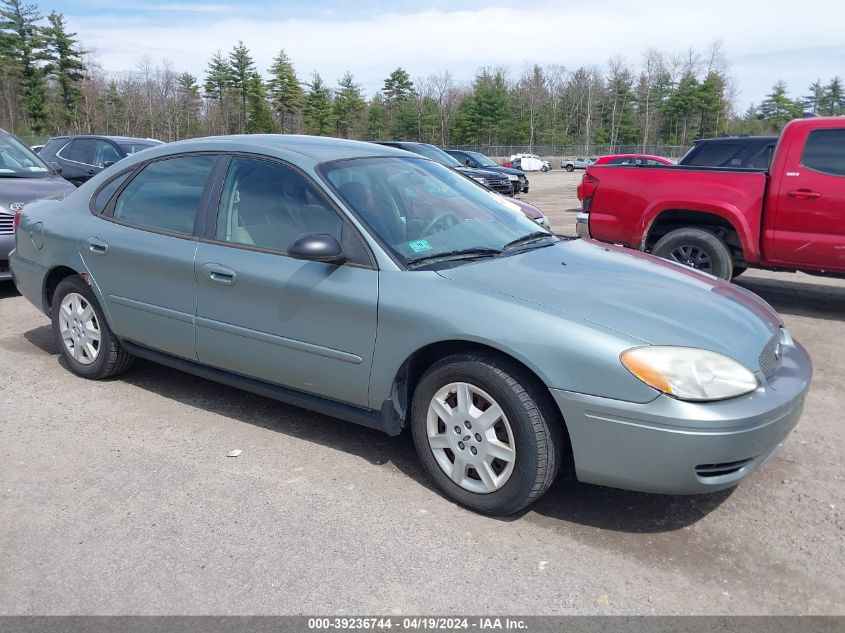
641,296
478,173
30,189
505,170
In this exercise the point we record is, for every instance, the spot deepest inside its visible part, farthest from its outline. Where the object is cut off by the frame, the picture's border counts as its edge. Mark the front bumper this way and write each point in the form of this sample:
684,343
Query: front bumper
582,224
673,447
7,243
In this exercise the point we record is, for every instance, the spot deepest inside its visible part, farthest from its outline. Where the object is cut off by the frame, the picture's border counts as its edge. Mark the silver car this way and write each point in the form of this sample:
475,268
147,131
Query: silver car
385,289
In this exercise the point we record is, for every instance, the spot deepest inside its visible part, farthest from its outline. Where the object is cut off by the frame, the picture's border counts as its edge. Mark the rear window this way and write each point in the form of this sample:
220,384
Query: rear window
825,152
715,155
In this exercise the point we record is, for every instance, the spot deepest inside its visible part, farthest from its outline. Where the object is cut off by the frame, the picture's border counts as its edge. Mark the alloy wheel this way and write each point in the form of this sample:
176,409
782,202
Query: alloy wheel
692,256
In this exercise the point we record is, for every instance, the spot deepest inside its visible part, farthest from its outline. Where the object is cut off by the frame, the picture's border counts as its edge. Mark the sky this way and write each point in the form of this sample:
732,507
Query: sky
764,40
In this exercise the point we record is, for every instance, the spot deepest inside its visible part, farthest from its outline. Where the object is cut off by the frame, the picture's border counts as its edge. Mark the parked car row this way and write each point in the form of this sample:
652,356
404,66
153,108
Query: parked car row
388,289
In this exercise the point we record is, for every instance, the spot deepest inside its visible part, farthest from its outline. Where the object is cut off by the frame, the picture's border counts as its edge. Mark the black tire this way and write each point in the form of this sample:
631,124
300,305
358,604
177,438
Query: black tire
709,253
536,426
544,168
570,168
111,359
738,270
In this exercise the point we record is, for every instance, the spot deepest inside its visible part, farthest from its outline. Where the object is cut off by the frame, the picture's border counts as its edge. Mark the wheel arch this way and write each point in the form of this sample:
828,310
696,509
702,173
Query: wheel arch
411,370
731,232
51,281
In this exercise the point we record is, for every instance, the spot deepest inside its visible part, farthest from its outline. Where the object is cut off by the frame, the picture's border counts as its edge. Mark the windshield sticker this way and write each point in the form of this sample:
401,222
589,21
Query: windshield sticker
420,245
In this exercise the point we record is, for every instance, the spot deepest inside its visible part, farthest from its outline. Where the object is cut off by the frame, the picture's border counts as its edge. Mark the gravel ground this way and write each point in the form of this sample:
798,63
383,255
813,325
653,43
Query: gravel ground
118,497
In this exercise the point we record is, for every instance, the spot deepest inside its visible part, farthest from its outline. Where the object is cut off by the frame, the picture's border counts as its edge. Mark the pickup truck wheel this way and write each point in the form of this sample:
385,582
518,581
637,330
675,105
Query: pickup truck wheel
697,249
486,433
84,338
570,168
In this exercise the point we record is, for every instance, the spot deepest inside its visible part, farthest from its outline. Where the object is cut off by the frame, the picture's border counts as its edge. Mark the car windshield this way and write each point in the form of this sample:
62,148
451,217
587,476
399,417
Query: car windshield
482,160
133,147
436,154
424,212
18,161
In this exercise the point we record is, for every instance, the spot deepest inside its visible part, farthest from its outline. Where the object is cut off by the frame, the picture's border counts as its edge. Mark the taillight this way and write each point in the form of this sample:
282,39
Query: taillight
17,221
587,190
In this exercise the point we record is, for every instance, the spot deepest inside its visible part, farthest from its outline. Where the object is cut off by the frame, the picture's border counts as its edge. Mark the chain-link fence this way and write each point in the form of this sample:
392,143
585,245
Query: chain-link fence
555,153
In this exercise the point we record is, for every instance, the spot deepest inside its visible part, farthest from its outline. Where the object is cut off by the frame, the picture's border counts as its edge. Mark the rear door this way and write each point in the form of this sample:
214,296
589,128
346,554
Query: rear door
809,216
140,252
84,158
306,325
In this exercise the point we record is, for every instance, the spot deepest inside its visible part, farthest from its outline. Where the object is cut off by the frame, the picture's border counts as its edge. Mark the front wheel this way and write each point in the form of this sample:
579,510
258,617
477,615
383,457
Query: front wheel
696,248
486,433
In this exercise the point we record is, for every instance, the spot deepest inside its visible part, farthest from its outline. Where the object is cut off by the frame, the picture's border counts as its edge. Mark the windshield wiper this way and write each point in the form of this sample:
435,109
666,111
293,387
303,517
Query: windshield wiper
535,236
463,253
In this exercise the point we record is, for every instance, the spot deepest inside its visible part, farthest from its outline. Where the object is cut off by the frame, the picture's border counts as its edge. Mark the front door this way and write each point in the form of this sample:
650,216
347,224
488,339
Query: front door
305,325
140,254
809,220
84,158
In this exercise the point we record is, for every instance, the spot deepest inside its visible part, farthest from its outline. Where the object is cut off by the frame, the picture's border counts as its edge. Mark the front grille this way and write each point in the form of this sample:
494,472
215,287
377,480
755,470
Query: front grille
6,224
770,357
500,185
719,470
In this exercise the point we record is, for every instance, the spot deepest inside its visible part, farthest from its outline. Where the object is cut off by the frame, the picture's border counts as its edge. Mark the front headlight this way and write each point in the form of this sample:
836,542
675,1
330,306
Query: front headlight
513,178
689,374
479,179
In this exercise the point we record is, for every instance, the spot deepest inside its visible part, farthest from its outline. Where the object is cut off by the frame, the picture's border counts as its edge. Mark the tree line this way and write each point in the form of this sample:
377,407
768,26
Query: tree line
53,86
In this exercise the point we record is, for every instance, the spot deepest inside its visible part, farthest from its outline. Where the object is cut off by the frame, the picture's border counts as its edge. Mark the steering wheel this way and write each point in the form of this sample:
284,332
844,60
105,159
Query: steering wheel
447,220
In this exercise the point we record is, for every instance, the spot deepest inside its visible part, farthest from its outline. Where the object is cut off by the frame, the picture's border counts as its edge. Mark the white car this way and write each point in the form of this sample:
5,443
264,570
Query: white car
530,162
576,163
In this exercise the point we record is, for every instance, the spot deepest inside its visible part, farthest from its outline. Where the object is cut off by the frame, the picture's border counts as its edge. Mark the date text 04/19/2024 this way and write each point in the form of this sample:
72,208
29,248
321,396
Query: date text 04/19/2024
418,623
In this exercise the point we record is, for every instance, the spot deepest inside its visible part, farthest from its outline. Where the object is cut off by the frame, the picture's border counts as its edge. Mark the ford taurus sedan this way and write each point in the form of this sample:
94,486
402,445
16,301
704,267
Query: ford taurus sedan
385,289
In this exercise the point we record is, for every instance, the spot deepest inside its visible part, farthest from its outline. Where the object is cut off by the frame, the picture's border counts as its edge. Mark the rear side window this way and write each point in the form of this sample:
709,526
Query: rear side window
105,194
825,152
165,195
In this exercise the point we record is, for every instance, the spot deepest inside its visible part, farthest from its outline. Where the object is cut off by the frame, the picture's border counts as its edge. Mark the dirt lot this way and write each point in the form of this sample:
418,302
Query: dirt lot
117,497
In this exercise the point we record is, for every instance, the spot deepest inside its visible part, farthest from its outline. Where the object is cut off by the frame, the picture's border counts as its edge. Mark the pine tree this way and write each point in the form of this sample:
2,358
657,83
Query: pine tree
21,46
260,119
833,103
397,87
777,108
318,107
286,94
348,105
64,62
242,68
815,100
189,105
218,80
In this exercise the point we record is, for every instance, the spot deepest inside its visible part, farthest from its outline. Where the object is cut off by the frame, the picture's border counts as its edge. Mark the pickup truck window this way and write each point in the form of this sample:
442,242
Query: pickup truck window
825,151
716,154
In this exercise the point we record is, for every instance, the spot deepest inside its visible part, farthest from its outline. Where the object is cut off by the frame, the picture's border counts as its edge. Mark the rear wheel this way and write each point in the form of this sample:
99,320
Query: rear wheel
485,432
696,248
570,168
85,339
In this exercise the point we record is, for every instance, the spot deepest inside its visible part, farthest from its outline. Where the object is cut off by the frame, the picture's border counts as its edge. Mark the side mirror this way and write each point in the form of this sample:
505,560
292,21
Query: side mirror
317,247
57,169
108,163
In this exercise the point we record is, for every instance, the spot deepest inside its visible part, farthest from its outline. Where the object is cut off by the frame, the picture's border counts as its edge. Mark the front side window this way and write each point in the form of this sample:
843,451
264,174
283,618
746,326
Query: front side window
165,195
421,210
825,151
90,151
268,205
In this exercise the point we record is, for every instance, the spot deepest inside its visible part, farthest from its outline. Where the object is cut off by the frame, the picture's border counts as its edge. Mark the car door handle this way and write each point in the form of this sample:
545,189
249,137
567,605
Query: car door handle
98,246
803,194
221,274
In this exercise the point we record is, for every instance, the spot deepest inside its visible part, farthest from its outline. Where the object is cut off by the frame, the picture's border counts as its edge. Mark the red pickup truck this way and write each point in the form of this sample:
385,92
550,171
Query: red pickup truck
723,220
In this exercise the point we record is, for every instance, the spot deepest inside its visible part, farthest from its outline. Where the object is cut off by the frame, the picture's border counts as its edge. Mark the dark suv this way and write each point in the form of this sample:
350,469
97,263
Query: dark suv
754,152
477,160
81,157
490,179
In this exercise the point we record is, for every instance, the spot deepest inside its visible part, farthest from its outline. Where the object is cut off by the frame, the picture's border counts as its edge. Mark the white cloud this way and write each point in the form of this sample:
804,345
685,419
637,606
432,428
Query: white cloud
766,41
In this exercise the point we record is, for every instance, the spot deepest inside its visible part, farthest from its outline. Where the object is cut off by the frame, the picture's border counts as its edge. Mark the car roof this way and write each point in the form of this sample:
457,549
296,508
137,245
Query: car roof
317,149
133,139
